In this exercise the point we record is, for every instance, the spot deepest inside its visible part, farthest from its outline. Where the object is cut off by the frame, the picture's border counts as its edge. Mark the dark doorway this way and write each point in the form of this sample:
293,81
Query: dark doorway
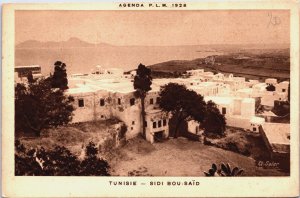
159,136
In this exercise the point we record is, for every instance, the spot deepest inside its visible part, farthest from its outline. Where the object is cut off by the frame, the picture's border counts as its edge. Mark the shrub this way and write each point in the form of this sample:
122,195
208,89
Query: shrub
207,142
58,162
38,106
91,150
25,163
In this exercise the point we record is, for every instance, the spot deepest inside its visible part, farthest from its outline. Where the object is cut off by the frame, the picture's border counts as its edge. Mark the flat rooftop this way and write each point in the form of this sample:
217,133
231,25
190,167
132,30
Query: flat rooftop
219,99
227,100
120,85
278,136
245,90
27,66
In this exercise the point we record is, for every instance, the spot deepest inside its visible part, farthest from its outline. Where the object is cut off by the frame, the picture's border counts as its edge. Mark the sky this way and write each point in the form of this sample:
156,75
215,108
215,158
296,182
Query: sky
155,28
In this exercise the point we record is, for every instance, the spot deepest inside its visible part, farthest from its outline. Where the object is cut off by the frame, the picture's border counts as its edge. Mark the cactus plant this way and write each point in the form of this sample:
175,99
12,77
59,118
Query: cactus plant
212,171
224,171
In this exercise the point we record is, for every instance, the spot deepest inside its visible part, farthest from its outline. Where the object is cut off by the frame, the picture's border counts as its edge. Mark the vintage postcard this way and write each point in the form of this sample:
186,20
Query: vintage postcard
150,99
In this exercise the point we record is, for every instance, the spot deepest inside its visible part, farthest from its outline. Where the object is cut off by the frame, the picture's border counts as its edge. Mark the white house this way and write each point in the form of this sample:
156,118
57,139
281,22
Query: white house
101,99
194,127
110,94
280,94
282,87
277,139
239,112
195,72
21,72
271,81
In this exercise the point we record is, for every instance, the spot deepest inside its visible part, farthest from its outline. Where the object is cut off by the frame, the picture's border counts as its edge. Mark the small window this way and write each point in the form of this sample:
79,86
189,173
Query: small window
132,101
283,90
164,122
102,102
154,125
159,123
223,110
80,103
132,122
145,123
102,116
254,128
151,100
119,101
131,128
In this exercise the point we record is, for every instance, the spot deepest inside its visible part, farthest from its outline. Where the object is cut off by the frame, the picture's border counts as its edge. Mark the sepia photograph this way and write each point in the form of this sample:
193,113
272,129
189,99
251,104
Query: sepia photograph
131,93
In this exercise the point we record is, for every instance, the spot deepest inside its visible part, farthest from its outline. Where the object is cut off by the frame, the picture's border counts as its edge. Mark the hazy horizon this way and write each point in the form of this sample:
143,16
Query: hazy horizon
155,28
175,45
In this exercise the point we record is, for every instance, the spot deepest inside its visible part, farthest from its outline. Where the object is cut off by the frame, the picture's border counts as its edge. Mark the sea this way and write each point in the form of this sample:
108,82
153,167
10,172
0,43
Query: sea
85,59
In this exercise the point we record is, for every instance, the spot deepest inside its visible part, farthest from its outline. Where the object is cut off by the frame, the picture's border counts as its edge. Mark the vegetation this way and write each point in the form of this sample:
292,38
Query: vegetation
59,78
224,171
214,122
281,108
142,84
41,103
38,106
30,77
270,87
58,162
183,104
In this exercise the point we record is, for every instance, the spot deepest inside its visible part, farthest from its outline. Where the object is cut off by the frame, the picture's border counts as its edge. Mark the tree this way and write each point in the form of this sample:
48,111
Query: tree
270,87
38,106
182,103
59,78
92,165
30,78
214,121
142,84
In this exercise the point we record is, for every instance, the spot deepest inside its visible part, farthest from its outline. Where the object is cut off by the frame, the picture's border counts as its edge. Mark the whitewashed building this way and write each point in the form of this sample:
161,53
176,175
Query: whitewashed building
21,72
280,93
239,112
101,99
109,93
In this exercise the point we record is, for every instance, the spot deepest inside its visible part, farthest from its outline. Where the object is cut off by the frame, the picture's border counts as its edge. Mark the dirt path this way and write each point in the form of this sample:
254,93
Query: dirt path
178,157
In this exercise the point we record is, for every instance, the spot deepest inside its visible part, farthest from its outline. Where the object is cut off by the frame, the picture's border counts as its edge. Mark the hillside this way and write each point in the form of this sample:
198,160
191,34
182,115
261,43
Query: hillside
256,64
181,157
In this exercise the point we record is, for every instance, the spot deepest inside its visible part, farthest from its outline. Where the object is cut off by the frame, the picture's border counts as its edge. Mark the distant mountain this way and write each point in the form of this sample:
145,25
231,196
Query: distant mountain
73,42
76,42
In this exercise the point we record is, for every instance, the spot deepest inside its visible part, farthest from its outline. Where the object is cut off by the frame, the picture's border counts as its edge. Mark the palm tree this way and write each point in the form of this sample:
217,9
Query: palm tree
142,84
